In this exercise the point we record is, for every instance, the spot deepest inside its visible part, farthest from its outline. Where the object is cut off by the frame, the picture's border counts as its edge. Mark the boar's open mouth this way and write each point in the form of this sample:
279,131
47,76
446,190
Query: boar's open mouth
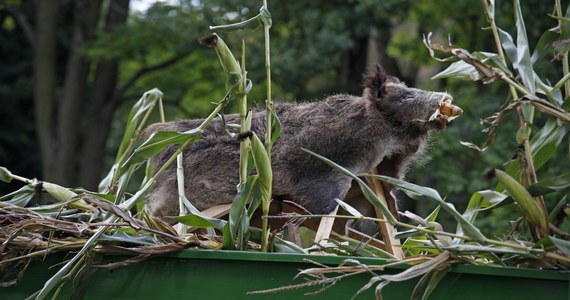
446,111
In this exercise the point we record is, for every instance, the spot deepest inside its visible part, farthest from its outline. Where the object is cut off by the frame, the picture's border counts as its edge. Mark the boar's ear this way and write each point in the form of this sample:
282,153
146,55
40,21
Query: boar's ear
374,82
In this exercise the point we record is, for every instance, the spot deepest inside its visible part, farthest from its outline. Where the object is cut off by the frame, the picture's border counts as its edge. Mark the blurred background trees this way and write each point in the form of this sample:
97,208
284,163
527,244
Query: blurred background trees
70,70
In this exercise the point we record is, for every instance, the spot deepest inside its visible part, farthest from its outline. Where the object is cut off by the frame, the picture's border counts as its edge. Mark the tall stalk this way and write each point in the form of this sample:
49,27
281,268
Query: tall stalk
245,122
565,69
270,108
527,153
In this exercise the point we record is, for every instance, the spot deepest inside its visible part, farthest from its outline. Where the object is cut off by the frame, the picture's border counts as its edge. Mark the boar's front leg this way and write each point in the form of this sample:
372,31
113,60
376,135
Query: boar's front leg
318,194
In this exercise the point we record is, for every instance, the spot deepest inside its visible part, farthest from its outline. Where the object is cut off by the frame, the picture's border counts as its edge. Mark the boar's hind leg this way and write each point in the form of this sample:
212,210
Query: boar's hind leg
163,200
318,195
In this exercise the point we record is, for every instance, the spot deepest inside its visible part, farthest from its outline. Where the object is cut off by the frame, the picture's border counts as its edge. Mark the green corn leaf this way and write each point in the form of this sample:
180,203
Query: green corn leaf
145,103
548,108
558,209
430,265
251,23
157,142
262,165
5,175
545,143
279,245
351,210
508,45
417,192
123,237
236,214
198,221
467,249
20,197
562,245
553,94
357,244
432,280
460,70
482,200
277,127
523,62
493,60
543,46
137,117
549,185
433,215
413,236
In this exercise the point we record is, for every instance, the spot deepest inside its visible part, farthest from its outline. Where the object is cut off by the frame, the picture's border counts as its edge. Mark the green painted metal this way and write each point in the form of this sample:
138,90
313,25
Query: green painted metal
200,274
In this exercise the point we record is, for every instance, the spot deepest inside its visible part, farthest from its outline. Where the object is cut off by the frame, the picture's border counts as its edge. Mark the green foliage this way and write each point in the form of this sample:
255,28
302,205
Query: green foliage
300,30
541,147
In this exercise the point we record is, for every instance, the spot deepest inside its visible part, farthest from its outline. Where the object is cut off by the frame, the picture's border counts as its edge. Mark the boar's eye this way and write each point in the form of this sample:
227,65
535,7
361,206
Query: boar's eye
407,97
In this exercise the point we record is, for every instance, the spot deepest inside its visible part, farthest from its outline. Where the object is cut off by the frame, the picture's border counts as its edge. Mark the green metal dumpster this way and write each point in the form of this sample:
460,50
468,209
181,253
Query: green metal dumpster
200,274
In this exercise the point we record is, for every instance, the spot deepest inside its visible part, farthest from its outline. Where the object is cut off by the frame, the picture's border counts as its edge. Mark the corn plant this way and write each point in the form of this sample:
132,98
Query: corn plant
105,214
98,222
430,250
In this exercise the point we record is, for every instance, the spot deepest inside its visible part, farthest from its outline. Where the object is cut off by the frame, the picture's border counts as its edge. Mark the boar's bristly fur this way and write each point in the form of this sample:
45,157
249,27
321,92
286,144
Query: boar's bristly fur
389,123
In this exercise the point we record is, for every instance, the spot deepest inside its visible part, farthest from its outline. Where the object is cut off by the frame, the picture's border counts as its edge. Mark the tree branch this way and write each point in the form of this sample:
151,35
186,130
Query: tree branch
146,70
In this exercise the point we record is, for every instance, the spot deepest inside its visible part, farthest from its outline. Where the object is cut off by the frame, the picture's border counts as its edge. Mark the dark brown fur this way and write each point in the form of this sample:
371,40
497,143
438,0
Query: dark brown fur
389,124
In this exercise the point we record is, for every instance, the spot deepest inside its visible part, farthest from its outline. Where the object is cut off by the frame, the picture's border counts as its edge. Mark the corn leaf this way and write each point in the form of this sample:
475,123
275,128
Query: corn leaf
545,143
466,249
5,175
20,197
157,142
198,221
431,281
543,46
549,185
145,103
482,200
137,117
417,192
562,245
122,237
459,70
262,165
523,63
236,214
351,210
508,45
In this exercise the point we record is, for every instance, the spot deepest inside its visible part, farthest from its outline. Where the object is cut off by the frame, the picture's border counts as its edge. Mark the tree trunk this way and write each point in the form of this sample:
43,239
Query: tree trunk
103,101
44,81
353,65
76,75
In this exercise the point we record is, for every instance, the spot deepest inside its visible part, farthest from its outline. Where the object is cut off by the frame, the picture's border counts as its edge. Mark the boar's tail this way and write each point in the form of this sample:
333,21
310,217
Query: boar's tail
373,83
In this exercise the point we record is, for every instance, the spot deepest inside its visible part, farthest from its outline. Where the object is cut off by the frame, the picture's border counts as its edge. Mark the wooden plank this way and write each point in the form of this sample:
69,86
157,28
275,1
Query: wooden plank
386,229
325,228
217,211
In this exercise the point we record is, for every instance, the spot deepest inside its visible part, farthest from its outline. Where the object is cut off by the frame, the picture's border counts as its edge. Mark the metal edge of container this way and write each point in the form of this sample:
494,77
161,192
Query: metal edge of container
560,275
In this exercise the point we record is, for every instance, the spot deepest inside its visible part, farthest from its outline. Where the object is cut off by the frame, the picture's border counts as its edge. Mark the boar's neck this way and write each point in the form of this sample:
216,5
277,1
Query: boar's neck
344,129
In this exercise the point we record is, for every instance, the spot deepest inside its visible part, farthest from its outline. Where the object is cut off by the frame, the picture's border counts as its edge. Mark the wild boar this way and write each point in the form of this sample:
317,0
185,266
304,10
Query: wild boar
388,126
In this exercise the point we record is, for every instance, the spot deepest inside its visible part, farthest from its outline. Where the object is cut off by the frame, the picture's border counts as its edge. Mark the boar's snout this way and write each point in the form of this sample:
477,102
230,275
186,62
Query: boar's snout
446,111
449,110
